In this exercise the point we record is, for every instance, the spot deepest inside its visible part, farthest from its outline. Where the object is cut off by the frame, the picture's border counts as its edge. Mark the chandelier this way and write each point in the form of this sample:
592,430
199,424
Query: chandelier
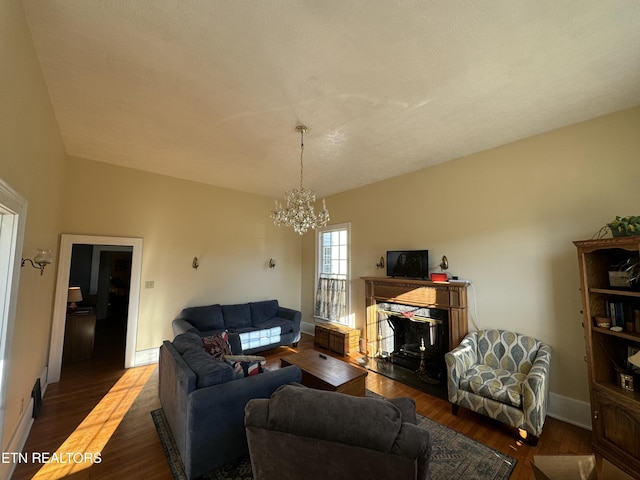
299,212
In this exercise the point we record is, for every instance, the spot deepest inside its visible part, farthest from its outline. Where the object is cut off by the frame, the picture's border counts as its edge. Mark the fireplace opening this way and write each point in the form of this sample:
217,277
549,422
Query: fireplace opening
420,344
411,345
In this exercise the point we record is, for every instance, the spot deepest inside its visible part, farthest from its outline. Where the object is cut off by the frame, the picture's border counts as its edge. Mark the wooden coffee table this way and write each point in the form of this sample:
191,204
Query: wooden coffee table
324,372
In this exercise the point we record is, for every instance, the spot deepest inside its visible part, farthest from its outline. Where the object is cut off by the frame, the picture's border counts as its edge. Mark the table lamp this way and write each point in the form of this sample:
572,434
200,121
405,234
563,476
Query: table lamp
74,296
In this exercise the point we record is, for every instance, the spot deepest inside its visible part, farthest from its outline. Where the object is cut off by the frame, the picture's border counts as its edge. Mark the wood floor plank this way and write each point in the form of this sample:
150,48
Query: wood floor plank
135,449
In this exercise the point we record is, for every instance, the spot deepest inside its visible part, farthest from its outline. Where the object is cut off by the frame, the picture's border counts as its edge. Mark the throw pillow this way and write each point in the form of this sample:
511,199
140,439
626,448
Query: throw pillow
217,345
245,365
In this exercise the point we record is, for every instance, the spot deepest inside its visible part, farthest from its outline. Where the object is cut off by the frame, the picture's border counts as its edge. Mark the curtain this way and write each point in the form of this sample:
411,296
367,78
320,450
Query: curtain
331,299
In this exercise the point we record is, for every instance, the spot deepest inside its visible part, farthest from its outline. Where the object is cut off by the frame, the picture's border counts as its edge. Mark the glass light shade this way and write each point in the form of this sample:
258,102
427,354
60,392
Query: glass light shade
43,257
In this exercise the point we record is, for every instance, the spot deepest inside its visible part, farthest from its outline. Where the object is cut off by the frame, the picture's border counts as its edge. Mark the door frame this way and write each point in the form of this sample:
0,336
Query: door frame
13,217
67,242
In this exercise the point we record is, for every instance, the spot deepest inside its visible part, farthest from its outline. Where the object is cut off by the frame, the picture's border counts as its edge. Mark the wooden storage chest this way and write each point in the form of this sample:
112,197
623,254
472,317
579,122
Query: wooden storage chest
337,338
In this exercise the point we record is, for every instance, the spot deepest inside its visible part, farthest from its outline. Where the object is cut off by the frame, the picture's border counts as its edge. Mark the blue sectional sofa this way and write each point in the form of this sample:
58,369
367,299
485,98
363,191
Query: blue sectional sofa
203,402
253,327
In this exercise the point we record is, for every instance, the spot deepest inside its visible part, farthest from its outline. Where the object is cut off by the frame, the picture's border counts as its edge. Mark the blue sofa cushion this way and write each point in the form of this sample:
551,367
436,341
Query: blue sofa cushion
237,316
208,370
261,311
204,318
286,326
185,341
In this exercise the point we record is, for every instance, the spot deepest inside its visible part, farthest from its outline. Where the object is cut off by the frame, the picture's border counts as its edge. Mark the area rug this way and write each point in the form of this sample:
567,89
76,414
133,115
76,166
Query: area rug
454,456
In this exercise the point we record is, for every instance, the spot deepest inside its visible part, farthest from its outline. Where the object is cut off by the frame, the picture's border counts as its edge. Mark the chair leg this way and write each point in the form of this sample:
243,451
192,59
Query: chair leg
454,409
528,438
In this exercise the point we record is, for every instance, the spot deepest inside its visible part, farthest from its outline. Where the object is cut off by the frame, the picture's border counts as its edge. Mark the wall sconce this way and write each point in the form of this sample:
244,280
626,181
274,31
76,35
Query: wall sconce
42,259
444,263
195,264
380,263
272,263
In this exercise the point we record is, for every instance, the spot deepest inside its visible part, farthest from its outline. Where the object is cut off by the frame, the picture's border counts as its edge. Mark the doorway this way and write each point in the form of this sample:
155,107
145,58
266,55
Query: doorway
67,242
96,322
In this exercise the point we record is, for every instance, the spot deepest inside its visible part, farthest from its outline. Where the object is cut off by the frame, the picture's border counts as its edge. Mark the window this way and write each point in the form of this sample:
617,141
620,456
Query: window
332,274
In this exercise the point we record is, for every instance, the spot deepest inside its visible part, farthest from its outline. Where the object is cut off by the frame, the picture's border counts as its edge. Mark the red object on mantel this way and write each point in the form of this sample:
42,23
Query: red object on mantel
439,277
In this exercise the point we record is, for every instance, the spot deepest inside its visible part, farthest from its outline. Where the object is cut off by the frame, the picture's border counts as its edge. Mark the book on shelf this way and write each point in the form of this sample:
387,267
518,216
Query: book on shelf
619,313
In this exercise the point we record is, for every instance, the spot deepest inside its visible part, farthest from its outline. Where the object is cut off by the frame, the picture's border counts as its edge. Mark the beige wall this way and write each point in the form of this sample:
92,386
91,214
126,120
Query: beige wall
32,162
506,219
230,232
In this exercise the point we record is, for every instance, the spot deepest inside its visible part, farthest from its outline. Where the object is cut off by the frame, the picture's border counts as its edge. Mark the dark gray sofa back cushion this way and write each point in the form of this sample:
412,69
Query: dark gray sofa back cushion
262,311
208,317
237,316
187,340
208,370
372,423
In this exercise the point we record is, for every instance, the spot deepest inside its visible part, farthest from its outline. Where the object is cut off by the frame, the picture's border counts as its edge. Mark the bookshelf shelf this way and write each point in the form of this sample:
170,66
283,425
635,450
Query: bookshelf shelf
618,293
634,337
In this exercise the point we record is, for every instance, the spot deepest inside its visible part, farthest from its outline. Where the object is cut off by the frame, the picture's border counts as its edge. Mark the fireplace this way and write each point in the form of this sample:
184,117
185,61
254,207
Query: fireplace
420,340
411,324
411,345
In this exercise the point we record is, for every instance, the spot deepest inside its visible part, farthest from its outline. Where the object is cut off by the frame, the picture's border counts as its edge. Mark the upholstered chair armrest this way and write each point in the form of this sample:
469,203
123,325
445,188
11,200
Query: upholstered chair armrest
180,325
415,443
407,407
458,361
535,391
256,413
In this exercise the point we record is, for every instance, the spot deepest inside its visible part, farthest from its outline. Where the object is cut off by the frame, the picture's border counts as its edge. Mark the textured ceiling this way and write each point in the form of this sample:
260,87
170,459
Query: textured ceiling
212,90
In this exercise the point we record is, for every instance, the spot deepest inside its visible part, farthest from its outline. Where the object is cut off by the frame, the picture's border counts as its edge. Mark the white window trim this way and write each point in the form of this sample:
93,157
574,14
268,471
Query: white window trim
318,266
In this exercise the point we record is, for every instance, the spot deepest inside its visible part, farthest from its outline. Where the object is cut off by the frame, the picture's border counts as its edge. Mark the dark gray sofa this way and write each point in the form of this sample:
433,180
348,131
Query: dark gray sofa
253,327
204,404
306,434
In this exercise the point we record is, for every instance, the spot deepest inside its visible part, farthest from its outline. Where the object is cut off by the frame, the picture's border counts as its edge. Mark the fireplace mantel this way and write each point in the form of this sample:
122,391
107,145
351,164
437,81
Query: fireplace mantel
450,296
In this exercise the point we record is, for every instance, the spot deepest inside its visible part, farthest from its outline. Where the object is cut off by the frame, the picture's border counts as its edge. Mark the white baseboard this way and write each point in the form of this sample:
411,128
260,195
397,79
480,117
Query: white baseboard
308,328
147,357
570,410
21,433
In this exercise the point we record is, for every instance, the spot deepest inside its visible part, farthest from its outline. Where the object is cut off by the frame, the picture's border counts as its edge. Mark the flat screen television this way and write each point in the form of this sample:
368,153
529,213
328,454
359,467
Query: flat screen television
408,263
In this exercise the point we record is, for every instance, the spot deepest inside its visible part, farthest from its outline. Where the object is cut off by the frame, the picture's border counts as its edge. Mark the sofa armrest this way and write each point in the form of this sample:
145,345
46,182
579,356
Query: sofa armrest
295,316
175,381
180,325
215,417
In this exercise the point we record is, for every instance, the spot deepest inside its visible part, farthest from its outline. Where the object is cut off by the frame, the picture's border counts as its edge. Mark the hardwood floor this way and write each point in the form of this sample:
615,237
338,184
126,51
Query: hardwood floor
100,407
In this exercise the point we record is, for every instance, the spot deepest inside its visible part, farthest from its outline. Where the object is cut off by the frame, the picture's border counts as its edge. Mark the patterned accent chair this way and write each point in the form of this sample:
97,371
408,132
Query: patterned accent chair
503,375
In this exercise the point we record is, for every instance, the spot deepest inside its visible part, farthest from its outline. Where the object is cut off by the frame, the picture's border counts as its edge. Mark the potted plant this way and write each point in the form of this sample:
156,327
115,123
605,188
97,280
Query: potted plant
623,226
